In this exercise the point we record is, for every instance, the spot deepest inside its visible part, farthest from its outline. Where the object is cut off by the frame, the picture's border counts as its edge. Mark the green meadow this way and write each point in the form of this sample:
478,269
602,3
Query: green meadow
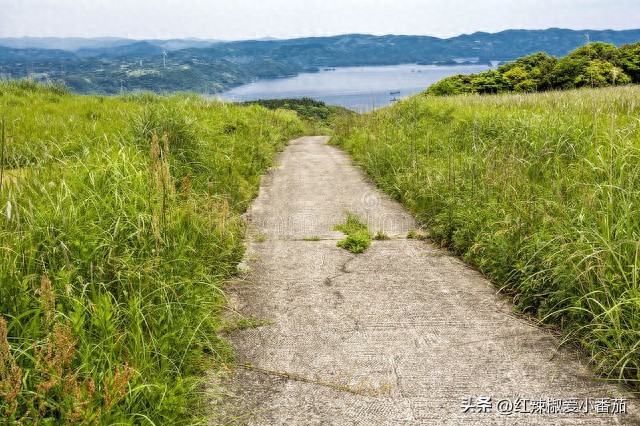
119,221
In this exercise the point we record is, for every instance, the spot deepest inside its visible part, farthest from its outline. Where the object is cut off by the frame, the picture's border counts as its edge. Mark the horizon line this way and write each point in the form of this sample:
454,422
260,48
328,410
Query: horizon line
269,38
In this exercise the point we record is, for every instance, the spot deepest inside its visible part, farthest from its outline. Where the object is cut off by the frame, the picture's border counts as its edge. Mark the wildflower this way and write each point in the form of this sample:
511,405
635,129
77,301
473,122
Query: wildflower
116,389
10,372
82,395
54,359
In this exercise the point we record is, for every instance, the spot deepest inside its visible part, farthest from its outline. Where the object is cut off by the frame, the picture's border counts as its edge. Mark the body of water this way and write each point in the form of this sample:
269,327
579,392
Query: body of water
357,88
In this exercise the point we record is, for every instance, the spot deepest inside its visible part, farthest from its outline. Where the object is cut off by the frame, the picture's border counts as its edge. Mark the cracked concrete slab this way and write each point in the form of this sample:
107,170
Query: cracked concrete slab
398,335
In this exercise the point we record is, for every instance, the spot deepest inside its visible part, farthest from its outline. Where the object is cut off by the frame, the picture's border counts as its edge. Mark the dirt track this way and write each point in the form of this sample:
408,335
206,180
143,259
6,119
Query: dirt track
399,335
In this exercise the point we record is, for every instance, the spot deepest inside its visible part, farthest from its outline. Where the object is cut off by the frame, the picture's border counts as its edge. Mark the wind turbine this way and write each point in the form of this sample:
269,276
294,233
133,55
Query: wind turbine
164,58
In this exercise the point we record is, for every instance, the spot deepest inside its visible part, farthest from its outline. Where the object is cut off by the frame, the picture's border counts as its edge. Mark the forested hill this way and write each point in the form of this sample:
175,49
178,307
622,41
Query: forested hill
113,65
594,65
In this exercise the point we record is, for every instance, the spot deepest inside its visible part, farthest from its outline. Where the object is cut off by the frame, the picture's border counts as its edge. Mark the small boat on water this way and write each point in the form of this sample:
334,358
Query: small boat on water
394,92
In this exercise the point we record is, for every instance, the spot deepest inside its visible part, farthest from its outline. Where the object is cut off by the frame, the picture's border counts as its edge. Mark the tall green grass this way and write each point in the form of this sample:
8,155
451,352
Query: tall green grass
539,191
119,220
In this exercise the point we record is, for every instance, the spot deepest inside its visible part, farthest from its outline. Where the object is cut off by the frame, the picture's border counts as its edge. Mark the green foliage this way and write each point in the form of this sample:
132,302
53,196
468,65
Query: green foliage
381,236
119,221
358,238
538,191
352,224
317,114
356,242
594,65
629,60
417,235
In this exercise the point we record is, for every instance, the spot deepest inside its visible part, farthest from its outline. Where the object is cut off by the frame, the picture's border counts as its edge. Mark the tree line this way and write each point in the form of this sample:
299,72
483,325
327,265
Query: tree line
307,108
593,65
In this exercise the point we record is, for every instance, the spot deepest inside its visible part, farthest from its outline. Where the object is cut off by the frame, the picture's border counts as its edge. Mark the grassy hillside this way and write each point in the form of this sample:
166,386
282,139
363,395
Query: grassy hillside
539,191
119,220
593,65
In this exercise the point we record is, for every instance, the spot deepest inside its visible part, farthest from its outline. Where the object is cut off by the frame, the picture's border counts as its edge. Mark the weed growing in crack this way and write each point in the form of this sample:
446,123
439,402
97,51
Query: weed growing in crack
358,237
381,236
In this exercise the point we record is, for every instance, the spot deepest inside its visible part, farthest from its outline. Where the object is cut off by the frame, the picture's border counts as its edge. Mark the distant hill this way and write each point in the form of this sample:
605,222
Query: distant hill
63,43
112,65
139,49
76,43
362,49
9,54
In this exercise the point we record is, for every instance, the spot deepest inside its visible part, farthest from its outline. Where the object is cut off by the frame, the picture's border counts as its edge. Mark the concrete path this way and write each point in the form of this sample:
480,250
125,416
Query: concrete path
403,334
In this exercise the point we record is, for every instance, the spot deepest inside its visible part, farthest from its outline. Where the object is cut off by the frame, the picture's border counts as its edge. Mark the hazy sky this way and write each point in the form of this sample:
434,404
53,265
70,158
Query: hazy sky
242,19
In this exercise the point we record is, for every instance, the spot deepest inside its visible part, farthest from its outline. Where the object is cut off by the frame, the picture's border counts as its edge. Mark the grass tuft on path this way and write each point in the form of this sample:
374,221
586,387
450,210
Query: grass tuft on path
358,238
